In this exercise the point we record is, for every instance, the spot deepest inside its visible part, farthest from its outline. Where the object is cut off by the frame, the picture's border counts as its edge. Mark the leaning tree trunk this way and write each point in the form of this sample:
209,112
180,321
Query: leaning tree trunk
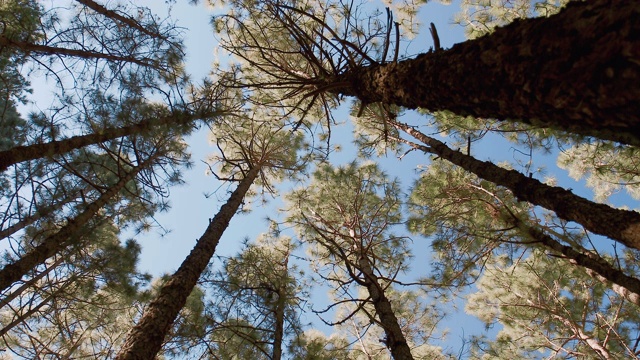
28,47
38,214
624,285
57,147
395,340
146,337
577,71
620,225
56,243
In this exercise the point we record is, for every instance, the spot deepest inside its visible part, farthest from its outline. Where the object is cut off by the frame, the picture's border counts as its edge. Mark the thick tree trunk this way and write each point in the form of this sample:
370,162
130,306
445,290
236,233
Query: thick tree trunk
577,71
620,225
36,151
145,339
395,339
56,243
598,268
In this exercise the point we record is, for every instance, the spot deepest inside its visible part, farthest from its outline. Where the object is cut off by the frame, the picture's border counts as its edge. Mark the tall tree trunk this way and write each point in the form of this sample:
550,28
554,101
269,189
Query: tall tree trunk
56,243
119,18
278,332
279,311
23,317
577,71
39,213
28,47
146,337
57,147
620,225
31,282
395,339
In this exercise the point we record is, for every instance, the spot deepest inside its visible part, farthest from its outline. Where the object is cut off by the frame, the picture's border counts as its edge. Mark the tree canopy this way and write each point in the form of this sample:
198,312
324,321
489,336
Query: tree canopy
384,179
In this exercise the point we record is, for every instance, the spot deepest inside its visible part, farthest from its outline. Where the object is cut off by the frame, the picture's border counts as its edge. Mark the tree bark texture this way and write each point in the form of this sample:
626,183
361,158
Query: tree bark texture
57,147
146,337
395,340
577,71
617,224
56,243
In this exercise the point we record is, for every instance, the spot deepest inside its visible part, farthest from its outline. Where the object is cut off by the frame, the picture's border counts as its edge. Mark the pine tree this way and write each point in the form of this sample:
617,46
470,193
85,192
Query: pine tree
74,227
253,151
472,222
617,224
81,304
532,72
347,215
258,295
550,306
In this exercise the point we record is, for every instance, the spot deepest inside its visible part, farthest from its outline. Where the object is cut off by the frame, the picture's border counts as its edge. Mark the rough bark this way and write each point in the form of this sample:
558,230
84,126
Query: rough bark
577,71
146,337
36,151
598,268
56,243
617,224
395,340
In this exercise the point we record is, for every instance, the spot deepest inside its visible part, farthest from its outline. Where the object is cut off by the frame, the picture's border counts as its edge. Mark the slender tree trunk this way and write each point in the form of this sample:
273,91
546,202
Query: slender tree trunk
26,315
620,225
598,268
78,53
27,284
121,19
146,337
281,305
26,221
56,243
395,339
278,332
57,147
577,71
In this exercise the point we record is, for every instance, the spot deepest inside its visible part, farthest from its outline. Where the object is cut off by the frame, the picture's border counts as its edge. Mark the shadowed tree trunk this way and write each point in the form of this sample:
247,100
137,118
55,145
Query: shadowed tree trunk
278,332
577,71
83,54
617,224
119,18
56,243
146,337
36,151
395,339
40,213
